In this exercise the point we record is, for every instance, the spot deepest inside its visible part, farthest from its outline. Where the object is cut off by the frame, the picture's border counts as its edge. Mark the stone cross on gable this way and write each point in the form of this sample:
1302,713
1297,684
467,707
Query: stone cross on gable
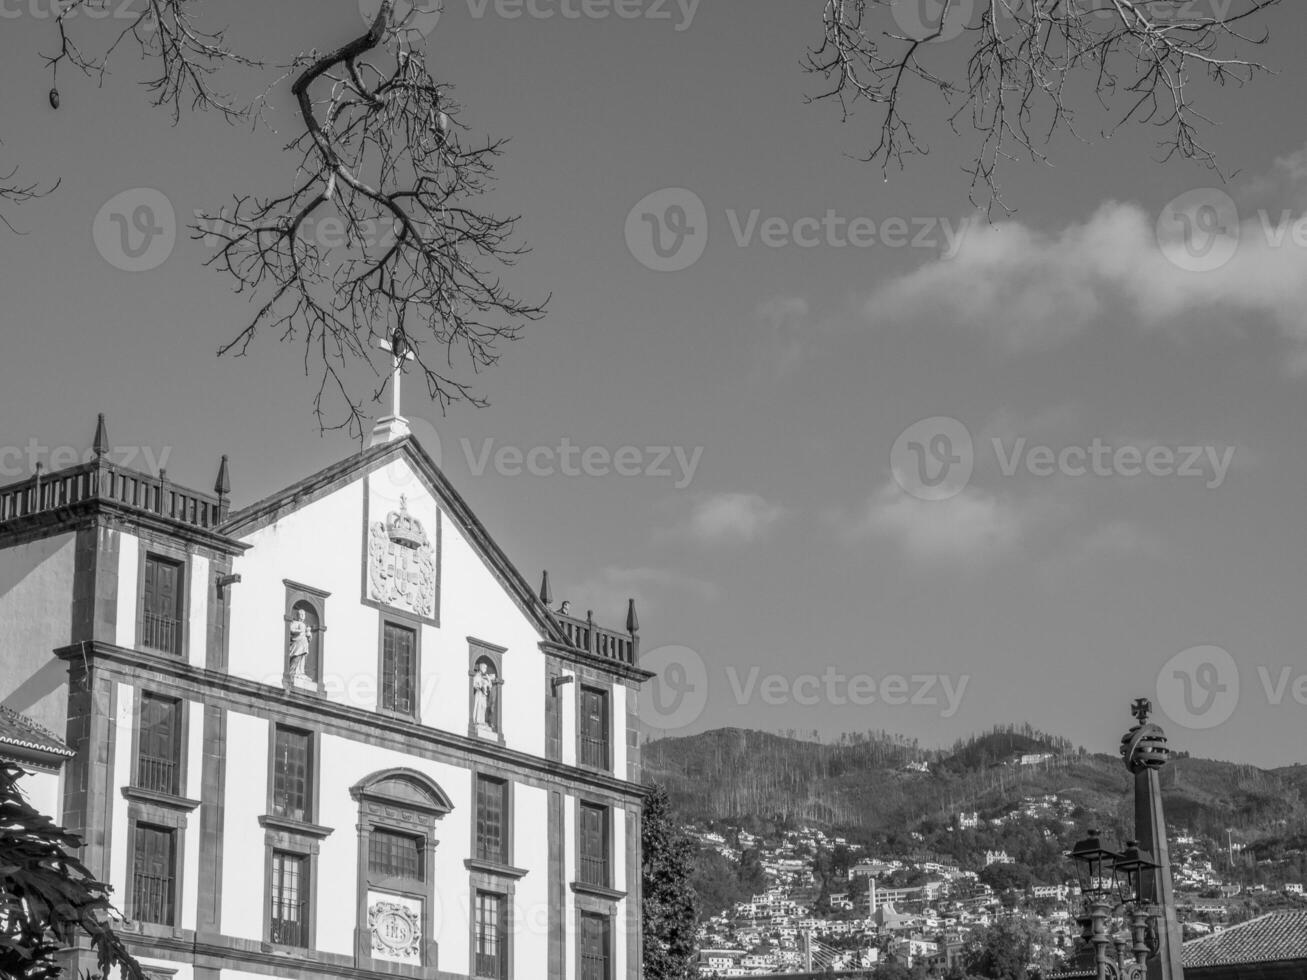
400,351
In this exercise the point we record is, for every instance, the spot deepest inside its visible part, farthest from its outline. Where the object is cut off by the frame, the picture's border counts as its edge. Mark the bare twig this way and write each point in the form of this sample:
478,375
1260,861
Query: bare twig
379,234
1025,62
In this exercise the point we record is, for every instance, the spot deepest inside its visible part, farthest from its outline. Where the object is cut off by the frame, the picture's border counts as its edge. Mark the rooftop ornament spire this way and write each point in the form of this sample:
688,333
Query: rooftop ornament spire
394,426
632,620
100,444
222,487
546,593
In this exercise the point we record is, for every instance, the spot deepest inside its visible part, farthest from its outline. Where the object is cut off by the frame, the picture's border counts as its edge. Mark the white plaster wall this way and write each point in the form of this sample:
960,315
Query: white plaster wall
531,902
568,709
246,799
121,776
571,926
199,606
323,545
620,923
129,556
44,792
617,729
36,584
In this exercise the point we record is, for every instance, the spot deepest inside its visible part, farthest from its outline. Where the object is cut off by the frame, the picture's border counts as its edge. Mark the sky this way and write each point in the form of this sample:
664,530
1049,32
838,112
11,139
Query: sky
866,460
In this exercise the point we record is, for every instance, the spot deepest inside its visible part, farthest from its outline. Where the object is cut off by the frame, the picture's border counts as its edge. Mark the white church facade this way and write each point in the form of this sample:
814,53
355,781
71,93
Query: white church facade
334,733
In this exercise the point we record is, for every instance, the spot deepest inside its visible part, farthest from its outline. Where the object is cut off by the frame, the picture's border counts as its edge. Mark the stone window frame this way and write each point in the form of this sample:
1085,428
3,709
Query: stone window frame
506,889
134,791
297,592
148,547
166,810
586,682
597,898
417,811
408,621
308,826
606,911
478,650
303,842
171,818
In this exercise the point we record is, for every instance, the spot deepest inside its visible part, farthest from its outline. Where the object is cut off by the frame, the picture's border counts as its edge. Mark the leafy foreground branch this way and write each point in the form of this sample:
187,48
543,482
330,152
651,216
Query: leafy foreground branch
48,898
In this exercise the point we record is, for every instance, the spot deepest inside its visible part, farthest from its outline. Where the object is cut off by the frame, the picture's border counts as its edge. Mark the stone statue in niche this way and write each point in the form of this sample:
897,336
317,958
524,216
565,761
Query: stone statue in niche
301,640
301,645
484,698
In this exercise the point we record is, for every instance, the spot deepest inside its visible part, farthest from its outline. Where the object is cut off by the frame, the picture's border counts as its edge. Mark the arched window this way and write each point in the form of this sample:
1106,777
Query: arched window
398,813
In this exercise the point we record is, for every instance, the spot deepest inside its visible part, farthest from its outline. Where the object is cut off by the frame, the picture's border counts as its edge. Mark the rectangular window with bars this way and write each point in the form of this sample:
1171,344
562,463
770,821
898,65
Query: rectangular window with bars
398,669
161,604
596,947
395,856
492,819
292,774
158,745
594,727
594,845
491,936
153,874
289,921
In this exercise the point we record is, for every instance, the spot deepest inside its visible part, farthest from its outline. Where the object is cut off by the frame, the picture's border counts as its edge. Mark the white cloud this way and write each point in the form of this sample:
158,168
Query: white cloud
973,527
732,517
1117,539
1025,289
786,320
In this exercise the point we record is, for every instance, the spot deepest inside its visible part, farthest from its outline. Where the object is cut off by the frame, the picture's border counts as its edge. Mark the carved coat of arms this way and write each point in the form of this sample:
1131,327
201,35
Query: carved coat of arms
396,930
402,563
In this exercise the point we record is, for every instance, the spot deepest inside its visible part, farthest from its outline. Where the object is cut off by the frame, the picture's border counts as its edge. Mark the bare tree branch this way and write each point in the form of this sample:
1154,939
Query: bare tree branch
1026,62
379,235
14,190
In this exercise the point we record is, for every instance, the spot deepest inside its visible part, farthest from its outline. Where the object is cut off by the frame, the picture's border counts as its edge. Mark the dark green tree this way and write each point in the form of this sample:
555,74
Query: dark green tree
48,898
670,912
1007,950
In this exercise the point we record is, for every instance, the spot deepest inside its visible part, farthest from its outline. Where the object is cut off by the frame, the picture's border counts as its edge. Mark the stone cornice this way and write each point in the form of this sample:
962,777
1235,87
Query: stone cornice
318,713
167,800
584,659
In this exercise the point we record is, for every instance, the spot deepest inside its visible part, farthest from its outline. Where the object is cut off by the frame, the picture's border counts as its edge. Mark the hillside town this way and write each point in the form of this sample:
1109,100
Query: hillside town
865,913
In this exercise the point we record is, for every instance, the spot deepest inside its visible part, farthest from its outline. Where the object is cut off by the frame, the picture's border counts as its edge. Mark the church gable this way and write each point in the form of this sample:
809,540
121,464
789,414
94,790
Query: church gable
376,588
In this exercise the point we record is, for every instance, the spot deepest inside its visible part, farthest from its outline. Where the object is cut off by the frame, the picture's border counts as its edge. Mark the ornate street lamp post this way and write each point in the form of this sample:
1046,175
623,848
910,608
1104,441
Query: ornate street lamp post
1094,867
1144,751
1133,881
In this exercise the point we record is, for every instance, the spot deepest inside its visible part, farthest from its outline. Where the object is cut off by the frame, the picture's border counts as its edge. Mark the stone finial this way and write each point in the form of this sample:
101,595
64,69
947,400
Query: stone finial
546,593
222,485
632,620
100,444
